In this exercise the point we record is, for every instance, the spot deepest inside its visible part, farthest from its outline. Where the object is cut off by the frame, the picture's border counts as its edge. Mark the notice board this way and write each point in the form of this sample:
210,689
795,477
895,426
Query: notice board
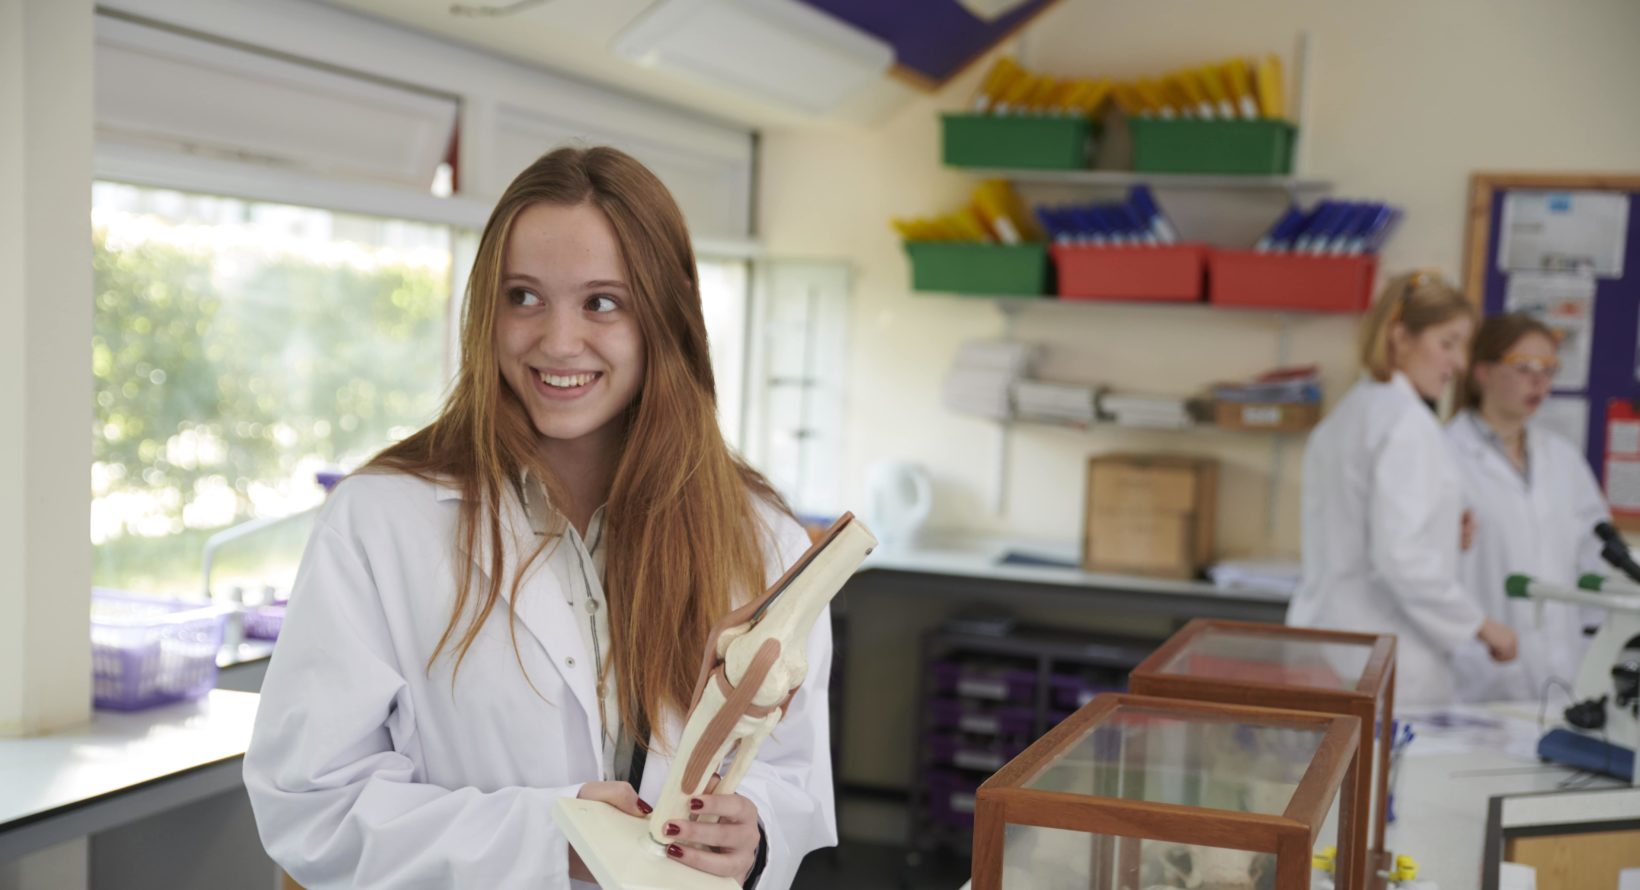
1566,247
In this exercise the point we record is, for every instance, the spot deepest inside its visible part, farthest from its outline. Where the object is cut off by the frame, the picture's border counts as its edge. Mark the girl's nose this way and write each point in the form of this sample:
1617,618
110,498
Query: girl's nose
563,333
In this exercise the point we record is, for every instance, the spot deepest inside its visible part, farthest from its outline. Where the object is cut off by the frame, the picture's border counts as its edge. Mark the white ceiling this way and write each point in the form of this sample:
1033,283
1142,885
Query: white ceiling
573,37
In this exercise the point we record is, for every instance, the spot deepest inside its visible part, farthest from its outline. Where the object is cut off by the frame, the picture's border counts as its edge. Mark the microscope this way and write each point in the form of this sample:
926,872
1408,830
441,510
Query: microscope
1603,722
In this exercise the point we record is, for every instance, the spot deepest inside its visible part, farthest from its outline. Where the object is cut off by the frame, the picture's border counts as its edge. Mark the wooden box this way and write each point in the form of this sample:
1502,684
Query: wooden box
1306,669
1149,515
1269,417
1132,791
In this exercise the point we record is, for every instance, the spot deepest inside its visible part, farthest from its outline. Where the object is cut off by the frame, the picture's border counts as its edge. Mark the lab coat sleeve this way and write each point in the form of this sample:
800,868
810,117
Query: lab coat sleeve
1588,509
1408,535
331,770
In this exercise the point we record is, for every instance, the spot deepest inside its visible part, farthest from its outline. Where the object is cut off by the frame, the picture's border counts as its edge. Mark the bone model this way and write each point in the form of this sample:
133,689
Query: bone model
753,664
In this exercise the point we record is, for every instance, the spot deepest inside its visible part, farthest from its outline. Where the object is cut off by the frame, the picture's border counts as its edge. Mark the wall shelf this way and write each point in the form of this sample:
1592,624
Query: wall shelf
1010,304
1180,181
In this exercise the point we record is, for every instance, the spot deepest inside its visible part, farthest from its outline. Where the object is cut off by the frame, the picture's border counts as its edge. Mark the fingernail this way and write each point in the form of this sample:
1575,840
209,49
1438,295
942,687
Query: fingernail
672,829
696,803
644,808
674,851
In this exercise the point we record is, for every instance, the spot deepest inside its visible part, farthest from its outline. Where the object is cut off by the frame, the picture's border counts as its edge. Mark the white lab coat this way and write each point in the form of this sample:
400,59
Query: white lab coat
1382,512
1544,529
368,770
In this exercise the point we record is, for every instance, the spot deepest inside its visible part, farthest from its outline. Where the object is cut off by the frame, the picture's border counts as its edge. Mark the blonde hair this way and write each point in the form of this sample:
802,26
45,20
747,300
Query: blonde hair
1415,300
1496,337
684,532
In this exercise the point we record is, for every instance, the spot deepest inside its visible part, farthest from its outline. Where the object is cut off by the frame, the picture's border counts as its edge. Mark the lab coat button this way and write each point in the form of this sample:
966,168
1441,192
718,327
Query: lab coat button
569,662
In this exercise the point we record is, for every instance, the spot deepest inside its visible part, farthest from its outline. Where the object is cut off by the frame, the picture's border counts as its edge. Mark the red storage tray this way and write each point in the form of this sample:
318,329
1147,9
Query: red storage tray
1251,280
1170,272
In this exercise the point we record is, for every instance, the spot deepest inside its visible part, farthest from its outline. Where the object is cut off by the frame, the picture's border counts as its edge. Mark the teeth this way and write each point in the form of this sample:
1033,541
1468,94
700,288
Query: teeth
568,382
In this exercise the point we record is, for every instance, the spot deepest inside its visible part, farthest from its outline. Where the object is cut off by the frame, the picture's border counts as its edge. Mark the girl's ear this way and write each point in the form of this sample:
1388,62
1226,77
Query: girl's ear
1480,373
1400,341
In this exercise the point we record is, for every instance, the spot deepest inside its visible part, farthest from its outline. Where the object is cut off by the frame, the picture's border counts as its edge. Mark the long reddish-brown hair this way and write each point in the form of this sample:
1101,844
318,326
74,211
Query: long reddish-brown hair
684,535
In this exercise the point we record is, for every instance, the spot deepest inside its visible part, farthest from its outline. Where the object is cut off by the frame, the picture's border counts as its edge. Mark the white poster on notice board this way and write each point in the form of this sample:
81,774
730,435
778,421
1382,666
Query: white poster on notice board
1564,232
1565,302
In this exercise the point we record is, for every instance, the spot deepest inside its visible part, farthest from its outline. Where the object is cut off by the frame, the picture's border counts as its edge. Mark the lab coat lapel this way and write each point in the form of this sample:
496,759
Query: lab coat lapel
541,607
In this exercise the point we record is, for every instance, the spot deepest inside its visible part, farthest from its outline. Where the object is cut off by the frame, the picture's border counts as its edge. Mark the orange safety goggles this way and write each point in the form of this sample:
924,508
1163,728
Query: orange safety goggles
1540,365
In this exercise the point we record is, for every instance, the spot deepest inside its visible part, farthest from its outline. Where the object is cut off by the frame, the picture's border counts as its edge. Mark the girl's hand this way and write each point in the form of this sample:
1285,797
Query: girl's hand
1500,640
727,847
619,795
1466,533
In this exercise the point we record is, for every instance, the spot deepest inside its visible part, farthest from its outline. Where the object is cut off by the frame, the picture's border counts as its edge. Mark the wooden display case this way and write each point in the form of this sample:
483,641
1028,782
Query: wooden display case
1306,669
1131,791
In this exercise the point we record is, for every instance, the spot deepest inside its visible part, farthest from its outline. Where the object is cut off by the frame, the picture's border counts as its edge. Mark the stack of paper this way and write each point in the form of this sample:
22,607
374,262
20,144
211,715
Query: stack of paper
1269,574
1283,385
1061,402
1162,412
983,374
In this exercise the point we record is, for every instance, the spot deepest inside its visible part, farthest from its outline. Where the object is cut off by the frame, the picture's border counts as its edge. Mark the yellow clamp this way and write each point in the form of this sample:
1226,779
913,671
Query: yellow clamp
1326,860
1406,869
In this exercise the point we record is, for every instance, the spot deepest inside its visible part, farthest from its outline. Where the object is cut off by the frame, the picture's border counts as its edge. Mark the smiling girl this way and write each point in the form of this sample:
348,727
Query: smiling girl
510,606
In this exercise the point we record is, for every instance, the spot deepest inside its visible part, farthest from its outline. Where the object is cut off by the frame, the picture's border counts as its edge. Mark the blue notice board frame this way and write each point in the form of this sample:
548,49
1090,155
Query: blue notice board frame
1614,365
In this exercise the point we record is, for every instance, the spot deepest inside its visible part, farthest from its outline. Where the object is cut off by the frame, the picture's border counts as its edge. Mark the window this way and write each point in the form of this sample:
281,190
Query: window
723,296
242,346
795,400
239,347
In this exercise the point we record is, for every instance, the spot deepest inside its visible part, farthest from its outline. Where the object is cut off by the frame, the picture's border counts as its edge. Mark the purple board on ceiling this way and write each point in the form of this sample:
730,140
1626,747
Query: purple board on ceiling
1612,344
933,38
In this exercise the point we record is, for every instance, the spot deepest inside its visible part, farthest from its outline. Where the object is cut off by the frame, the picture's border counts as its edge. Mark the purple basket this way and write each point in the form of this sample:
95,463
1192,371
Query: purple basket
989,682
949,713
951,798
263,622
1072,692
148,651
972,752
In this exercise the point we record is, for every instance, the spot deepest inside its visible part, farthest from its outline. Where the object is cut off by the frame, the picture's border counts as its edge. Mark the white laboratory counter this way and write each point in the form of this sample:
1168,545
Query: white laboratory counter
982,559
120,768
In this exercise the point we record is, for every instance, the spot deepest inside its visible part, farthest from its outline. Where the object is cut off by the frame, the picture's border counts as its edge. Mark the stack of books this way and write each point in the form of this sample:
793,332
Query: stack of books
982,377
1157,412
1071,403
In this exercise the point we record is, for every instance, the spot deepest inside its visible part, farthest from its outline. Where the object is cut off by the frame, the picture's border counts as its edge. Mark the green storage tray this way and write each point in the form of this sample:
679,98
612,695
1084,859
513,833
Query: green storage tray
1017,141
971,267
1255,147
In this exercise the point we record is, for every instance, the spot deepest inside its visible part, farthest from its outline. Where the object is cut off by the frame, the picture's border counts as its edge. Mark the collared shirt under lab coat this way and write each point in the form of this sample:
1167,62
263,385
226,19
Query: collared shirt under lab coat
1544,528
368,770
1382,513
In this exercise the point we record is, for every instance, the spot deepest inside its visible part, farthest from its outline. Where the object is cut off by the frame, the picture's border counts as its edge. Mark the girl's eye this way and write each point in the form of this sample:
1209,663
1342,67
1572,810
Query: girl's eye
519,296
602,303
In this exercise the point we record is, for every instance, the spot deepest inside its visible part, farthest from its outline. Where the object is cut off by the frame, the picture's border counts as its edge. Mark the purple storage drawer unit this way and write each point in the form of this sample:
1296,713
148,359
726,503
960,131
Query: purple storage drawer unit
263,622
990,682
147,651
950,713
951,798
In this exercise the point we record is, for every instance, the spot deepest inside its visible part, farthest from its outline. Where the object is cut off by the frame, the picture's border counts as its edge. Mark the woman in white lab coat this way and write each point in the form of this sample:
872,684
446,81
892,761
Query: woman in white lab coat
509,606
1382,499
1535,504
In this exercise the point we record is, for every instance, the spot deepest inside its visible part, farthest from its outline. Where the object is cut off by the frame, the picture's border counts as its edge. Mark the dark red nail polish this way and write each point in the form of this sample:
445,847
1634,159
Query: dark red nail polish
644,808
672,829
674,851
696,803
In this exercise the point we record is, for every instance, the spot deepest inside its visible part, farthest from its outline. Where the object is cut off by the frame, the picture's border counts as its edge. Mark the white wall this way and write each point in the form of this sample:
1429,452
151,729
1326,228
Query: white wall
1408,98
45,373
